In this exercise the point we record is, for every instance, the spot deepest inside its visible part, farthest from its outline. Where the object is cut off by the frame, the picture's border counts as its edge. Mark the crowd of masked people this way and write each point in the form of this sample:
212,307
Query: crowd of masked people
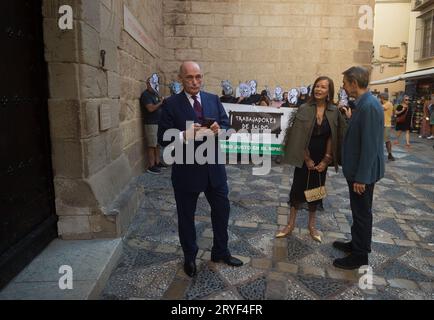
247,94
406,114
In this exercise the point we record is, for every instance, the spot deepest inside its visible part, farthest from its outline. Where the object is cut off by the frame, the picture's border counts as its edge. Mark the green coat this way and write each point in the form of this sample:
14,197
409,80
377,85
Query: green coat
297,137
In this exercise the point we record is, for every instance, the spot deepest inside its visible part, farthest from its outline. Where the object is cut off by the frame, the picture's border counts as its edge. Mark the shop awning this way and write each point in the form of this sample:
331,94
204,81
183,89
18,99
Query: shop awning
418,74
387,80
406,76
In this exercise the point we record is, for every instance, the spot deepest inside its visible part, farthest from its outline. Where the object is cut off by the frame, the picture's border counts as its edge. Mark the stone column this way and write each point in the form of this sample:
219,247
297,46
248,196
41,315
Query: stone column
96,154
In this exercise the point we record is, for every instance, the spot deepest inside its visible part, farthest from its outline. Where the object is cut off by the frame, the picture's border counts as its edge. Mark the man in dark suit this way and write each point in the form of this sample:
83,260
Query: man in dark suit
189,180
362,164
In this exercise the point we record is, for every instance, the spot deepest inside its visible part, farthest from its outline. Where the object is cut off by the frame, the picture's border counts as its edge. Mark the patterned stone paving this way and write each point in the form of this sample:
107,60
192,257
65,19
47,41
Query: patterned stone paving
322,287
206,282
254,290
391,226
297,249
295,268
399,270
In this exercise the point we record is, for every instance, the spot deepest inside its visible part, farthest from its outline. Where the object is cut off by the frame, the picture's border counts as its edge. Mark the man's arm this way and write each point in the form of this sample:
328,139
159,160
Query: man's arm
167,122
152,107
369,128
147,103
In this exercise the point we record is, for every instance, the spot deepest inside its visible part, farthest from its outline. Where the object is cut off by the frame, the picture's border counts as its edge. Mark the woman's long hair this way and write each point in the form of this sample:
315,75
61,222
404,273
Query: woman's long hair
330,97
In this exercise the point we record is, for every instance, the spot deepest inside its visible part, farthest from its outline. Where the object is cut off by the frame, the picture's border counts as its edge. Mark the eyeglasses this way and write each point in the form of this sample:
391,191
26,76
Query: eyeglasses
196,77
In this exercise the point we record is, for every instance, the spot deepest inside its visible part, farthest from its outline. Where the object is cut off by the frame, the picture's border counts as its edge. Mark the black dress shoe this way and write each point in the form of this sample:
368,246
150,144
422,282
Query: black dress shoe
190,268
229,260
343,246
351,262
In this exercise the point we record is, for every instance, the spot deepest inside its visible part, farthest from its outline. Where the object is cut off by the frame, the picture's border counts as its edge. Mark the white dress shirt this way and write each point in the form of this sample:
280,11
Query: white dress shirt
191,100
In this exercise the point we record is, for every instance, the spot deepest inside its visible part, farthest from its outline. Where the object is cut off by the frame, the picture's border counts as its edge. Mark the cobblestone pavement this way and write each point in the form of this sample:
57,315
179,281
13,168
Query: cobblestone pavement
402,255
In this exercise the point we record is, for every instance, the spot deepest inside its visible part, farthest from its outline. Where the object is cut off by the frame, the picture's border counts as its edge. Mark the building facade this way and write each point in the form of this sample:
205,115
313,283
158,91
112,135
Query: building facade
420,65
391,34
417,50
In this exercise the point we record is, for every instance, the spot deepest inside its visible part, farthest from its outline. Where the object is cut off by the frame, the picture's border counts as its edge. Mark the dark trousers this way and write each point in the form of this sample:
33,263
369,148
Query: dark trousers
361,230
186,207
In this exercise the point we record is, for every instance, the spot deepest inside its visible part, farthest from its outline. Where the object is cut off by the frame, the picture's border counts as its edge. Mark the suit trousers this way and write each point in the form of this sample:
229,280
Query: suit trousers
186,206
361,230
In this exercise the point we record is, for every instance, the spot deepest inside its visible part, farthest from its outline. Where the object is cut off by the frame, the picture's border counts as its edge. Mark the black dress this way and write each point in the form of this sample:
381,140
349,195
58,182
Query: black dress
407,123
317,150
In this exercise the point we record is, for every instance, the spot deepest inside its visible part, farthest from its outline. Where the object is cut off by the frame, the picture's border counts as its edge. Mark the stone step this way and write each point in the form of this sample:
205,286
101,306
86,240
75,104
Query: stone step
91,263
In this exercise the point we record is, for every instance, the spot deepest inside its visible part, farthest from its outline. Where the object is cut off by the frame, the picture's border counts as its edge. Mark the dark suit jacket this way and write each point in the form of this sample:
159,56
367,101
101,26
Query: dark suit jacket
176,110
362,150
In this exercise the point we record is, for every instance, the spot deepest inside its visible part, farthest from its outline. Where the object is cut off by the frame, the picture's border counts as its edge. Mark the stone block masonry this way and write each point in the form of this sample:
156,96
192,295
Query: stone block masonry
286,43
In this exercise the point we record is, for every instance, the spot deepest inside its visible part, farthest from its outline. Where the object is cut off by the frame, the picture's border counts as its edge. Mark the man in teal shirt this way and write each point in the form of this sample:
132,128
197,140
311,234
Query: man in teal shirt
362,165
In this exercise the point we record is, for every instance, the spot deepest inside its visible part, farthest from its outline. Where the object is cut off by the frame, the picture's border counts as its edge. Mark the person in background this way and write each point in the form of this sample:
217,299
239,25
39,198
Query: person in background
303,96
175,87
264,100
150,103
431,118
293,95
403,110
425,129
388,112
245,93
227,92
285,103
254,96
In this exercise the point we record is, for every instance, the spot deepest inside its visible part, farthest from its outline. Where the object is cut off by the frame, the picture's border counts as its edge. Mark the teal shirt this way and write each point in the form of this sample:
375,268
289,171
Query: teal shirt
362,149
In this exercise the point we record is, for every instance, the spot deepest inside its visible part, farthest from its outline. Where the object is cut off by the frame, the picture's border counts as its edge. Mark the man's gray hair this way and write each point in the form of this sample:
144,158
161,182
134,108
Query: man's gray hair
358,74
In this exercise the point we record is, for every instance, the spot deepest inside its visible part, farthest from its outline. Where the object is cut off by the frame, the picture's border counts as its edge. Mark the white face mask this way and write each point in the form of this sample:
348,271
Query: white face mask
293,96
154,82
278,94
253,85
175,87
343,97
245,90
227,87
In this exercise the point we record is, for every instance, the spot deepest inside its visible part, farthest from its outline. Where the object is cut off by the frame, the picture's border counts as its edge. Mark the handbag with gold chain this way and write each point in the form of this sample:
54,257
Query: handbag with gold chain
315,193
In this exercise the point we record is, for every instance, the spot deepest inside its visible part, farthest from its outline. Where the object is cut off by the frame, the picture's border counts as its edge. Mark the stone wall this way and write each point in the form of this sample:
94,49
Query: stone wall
136,64
95,120
277,42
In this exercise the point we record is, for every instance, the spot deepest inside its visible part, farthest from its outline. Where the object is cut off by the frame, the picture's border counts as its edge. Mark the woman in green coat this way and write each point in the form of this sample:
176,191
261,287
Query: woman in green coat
312,143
